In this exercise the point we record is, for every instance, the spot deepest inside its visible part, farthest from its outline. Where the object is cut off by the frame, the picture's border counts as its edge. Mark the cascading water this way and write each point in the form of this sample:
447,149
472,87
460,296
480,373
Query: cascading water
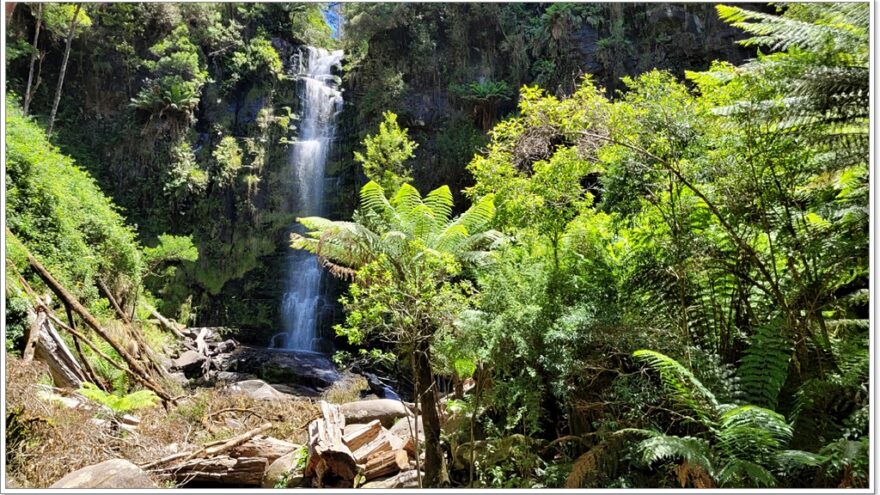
321,101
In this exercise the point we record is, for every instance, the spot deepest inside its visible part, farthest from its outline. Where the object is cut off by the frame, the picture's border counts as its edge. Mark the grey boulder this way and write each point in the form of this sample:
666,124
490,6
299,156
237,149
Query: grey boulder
115,473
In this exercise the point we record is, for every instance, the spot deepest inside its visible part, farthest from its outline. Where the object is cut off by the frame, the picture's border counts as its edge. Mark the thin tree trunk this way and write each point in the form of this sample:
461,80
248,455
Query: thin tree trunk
430,418
89,371
70,31
28,95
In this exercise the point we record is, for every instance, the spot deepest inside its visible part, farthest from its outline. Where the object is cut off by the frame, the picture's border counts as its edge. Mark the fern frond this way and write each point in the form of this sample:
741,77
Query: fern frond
781,32
440,202
671,448
739,472
682,385
479,215
764,367
752,432
373,198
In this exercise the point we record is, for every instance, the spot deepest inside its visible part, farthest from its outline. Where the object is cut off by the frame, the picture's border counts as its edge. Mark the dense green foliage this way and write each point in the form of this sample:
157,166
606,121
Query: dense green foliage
646,269
182,113
721,221
451,70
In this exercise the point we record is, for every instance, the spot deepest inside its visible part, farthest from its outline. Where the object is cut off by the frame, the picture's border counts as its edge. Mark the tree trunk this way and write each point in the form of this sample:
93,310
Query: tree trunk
70,31
51,349
28,95
430,417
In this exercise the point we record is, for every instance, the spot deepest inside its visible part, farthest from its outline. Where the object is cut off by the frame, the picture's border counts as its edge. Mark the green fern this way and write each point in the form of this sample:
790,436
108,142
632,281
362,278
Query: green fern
119,404
682,385
764,367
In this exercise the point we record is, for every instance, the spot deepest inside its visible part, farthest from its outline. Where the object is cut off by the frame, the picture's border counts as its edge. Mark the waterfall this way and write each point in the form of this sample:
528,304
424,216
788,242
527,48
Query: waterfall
320,102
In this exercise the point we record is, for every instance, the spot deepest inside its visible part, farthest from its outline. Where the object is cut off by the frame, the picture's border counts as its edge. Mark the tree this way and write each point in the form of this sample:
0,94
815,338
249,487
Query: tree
385,154
71,31
34,54
404,256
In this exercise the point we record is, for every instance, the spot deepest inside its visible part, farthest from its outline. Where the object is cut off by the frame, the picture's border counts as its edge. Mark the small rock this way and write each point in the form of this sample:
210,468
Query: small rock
190,362
257,389
228,345
179,377
115,473
130,420
364,411
288,465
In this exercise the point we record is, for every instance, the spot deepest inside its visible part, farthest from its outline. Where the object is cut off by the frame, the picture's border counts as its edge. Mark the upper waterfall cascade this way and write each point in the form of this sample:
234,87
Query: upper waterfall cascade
321,102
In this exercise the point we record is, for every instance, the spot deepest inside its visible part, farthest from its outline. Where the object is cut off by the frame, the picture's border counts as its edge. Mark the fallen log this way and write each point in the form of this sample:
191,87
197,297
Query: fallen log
209,450
33,334
362,436
224,469
139,378
386,463
109,295
331,462
263,446
166,323
405,479
50,348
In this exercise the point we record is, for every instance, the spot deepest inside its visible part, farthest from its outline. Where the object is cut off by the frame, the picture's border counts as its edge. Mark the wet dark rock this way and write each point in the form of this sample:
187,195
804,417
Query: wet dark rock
191,363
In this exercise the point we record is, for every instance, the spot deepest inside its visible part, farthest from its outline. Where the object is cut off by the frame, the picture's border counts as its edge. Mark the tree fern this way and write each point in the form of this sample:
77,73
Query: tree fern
764,367
681,384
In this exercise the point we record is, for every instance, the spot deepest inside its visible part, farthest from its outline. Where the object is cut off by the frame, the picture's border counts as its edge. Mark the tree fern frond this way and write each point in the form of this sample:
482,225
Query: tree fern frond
681,384
440,202
764,367
739,472
373,198
406,199
478,215
781,32
789,460
666,447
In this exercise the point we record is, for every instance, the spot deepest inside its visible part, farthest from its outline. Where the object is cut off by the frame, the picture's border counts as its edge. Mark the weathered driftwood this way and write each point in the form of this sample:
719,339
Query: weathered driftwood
263,446
223,469
362,436
209,450
386,463
331,462
51,349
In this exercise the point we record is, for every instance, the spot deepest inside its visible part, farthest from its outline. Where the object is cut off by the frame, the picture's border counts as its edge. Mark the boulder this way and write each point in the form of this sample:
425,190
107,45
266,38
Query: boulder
364,411
115,473
191,363
286,471
404,479
257,389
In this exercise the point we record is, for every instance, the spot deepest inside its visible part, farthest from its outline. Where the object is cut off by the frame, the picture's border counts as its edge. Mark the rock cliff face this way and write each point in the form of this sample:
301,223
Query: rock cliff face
410,70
